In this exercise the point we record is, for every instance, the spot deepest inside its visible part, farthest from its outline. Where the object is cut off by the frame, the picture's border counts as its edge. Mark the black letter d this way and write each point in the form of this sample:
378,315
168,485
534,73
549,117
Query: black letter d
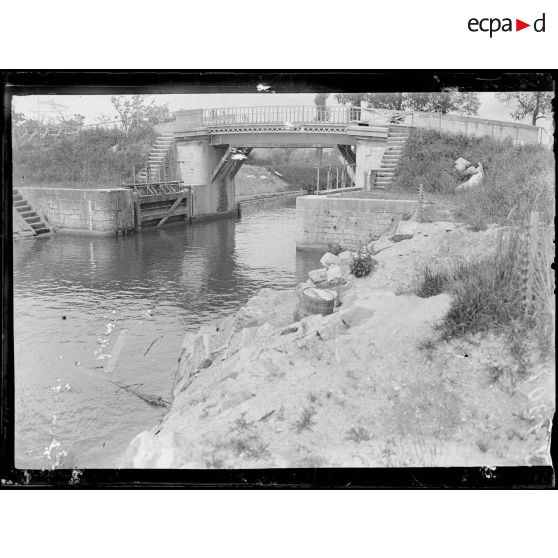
541,30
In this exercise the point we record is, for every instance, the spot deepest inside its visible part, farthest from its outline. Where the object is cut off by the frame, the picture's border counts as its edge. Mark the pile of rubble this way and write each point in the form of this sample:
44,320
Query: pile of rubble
465,168
336,270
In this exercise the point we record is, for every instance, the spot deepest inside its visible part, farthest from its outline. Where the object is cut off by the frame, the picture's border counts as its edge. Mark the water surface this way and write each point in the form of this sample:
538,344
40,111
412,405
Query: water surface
75,295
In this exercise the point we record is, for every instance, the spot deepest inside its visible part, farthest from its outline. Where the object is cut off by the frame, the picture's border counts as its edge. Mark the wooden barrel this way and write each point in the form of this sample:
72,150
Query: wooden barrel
315,301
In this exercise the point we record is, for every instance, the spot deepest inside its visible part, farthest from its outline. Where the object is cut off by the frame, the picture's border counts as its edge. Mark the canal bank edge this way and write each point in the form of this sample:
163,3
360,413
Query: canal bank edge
352,389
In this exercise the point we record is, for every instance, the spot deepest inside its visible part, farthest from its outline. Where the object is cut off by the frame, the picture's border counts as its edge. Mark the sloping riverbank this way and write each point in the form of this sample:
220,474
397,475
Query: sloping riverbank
252,181
362,387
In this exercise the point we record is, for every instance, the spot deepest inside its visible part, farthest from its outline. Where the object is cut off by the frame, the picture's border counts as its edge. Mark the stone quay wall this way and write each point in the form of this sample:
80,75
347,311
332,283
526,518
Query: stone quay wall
107,211
351,223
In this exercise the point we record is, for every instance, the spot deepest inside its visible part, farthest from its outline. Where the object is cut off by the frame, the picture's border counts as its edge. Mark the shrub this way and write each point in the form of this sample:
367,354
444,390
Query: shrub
517,177
362,265
92,156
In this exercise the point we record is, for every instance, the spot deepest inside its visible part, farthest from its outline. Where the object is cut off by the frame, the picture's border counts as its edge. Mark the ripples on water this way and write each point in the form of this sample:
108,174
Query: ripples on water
73,295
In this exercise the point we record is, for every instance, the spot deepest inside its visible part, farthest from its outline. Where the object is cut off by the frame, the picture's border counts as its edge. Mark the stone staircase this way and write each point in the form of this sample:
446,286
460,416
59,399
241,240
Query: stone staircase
29,214
397,137
157,158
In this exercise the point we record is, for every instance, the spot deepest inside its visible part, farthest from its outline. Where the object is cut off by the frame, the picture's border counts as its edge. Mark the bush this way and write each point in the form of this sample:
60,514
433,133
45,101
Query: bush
91,157
362,265
516,176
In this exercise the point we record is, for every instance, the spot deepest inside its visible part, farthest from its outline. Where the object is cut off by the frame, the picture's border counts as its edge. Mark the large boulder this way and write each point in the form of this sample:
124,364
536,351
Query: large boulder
475,180
461,165
334,273
329,259
474,170
405,230
318,275
346,258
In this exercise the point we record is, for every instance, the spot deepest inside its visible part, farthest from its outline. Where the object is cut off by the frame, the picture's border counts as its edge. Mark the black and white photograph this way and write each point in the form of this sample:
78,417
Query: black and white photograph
267,280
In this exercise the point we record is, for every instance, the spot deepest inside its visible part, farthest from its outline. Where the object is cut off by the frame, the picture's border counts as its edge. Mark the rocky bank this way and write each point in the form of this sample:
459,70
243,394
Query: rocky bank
362,387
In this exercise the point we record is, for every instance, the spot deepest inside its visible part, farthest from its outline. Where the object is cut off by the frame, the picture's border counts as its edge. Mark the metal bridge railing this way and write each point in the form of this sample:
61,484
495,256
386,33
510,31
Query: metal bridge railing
336,177
295,115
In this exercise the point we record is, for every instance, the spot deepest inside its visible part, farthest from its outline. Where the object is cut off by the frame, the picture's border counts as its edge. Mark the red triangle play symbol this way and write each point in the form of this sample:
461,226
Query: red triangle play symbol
519,25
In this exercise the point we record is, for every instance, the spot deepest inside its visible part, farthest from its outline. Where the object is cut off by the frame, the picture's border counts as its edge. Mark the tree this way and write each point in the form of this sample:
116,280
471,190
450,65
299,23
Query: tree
135,112
387,101
320,99
444,102
441,102
351,99
18,118
535,104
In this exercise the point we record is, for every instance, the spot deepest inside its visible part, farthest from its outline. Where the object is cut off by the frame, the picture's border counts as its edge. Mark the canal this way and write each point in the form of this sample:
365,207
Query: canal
75,295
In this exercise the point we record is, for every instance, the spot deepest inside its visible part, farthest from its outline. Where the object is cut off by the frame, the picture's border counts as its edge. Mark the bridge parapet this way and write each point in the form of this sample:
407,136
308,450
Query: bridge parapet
348,119
288,118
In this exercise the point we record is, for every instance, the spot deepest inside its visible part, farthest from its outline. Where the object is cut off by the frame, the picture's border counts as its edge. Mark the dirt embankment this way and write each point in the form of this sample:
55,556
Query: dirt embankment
252,181
362,387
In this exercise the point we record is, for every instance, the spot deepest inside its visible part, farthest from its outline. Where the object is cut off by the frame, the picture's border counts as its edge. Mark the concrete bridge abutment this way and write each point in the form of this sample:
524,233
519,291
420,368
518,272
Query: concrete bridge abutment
198,162
368,161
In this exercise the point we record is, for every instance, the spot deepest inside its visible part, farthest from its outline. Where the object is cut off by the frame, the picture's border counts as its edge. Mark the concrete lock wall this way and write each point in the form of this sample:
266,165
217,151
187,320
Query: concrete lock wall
199,158
349,222
105,211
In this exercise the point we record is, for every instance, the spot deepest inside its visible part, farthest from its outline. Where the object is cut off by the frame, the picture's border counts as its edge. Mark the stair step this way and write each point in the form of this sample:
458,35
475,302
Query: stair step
42,230
17,197
33,220
20,203
28,213
24,208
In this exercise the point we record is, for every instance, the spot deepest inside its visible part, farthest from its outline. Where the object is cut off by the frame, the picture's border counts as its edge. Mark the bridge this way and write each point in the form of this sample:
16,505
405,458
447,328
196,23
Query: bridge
208,147
203,149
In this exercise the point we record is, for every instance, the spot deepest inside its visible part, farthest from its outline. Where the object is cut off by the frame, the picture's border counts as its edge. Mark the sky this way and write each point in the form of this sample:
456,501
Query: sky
94,107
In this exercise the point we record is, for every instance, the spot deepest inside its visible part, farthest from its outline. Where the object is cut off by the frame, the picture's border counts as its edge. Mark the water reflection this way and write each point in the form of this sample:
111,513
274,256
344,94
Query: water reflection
73,296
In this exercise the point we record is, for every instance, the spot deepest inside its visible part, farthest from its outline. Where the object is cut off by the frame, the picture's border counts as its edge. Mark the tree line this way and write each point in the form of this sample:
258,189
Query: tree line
521,104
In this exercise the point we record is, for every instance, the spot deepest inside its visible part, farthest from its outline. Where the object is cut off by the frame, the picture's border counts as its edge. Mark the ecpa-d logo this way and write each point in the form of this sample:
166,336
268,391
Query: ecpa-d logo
494,24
